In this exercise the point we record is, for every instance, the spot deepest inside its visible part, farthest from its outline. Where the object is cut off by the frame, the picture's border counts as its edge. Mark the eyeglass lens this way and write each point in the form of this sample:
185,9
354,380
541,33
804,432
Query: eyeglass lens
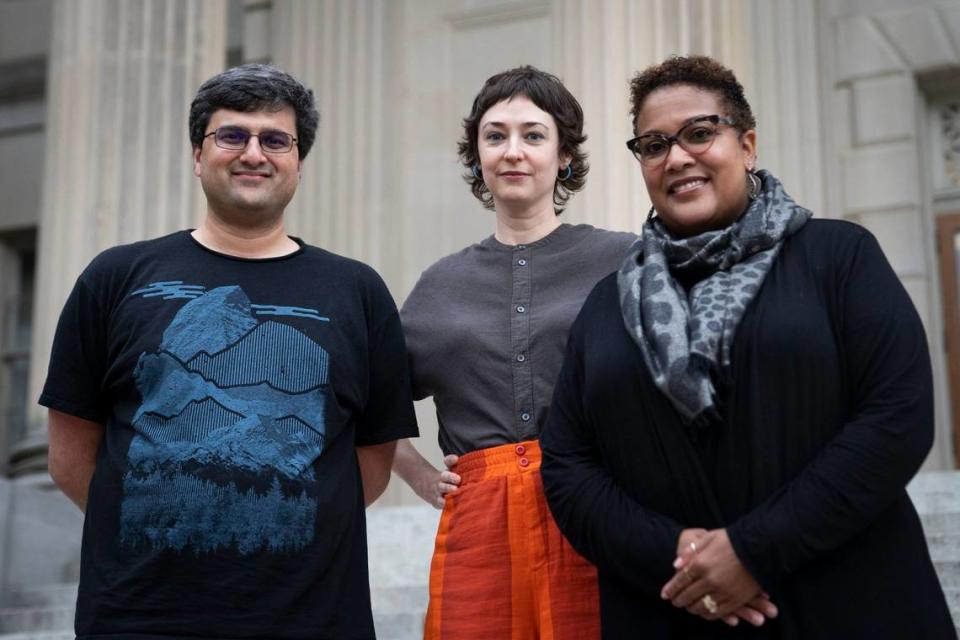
695,137
236,139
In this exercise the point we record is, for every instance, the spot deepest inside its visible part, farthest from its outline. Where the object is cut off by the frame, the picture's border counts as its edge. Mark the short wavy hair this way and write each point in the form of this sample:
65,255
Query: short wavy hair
548,93
255,87
701,72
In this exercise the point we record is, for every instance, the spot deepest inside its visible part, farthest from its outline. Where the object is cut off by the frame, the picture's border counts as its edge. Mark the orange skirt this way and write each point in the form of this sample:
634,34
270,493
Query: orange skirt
501,569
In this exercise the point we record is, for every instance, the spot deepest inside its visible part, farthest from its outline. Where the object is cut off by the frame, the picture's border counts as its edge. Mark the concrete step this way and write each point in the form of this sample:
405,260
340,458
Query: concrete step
398,612
40,635
396,626
64,595
941,522
944,547
953,599
936,492
390,600
24,619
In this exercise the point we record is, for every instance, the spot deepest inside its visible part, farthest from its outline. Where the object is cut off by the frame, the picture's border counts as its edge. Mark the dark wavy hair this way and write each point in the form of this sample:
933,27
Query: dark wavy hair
702,72
548,93
255,87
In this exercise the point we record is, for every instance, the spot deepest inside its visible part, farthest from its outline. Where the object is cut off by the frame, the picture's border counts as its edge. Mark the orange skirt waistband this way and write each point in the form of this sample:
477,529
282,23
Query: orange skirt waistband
505,459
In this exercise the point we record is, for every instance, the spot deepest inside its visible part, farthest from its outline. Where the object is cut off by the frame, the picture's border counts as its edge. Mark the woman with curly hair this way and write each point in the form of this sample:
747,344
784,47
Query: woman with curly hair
742,405
486,329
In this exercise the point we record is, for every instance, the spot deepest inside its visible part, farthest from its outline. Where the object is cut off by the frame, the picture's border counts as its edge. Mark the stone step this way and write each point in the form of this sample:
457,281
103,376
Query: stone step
949,574
390,600
935,492
944,547
64,595
396,626
953,598
941,522
23,619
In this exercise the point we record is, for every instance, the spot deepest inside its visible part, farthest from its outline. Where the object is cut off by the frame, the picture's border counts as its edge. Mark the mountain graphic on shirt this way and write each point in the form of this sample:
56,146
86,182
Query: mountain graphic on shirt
231,422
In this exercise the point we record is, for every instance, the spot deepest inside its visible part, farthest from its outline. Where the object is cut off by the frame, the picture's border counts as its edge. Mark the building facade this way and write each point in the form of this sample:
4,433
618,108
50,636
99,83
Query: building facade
858,104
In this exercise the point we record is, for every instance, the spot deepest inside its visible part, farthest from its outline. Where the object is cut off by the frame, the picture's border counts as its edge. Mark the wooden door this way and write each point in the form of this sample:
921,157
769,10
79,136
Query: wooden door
948,239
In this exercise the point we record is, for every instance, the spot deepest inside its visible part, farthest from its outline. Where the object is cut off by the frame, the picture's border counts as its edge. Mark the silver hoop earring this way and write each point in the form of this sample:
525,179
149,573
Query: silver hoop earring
476,172
567,175
753,184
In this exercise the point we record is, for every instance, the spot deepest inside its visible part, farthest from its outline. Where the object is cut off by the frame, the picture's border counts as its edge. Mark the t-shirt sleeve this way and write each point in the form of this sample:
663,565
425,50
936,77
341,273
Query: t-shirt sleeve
77,368
388,414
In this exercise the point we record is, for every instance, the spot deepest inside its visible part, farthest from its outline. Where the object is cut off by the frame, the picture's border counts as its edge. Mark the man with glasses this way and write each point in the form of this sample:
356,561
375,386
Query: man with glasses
224,401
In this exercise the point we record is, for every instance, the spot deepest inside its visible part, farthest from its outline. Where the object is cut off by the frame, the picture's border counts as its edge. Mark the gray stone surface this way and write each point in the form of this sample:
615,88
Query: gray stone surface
24,619
861,50
919,35
400,545
52,595
937,498
6,528
42,543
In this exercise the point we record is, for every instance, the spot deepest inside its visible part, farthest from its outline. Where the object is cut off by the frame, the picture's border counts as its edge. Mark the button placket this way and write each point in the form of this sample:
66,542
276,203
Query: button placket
520,309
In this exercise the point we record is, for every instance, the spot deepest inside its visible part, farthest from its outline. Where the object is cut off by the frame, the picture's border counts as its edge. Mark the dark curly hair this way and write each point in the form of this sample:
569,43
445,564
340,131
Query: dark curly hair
548,93
702,72
255,87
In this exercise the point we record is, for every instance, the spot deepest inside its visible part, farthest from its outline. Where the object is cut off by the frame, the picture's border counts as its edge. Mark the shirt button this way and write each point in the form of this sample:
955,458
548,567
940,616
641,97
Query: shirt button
521,357
521,246
522,262
521,309
524,462
521,449
525,416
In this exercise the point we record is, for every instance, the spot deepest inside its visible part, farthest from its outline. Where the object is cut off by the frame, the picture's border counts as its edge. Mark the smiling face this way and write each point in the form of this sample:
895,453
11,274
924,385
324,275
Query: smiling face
519,145
695,193
248,186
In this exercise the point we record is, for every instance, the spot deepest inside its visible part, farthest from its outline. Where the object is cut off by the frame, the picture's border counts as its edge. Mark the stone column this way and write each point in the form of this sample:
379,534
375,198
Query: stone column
117,165
598,47
783,86
347,52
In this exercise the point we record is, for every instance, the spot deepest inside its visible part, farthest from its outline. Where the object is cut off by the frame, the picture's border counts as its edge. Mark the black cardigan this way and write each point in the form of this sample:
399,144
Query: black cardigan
826,414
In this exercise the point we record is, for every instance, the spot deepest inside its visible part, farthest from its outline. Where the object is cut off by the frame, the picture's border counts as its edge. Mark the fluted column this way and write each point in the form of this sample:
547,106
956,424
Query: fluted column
598,47
784,87
346,51
117,164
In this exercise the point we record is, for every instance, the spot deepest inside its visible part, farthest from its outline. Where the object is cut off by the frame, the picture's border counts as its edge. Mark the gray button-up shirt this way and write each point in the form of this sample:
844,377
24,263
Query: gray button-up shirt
486,330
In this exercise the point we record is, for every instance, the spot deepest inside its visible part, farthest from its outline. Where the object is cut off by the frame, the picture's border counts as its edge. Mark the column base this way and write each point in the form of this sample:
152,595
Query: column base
29,456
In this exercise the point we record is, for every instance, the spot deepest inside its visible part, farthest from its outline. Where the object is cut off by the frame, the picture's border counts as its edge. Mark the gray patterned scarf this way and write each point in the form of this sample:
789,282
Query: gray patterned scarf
684,335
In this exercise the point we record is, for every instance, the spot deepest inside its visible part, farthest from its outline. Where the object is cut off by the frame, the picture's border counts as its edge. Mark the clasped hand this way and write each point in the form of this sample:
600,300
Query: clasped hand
712,583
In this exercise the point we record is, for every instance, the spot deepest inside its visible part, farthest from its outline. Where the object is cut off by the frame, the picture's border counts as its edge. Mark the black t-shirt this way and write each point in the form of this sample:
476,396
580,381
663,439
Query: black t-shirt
227,500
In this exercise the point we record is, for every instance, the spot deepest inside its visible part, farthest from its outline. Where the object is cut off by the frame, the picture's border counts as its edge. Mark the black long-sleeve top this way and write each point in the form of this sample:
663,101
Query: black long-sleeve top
826,414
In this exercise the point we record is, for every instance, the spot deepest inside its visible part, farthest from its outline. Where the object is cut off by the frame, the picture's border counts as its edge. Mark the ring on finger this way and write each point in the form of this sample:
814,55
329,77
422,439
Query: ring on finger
709,603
